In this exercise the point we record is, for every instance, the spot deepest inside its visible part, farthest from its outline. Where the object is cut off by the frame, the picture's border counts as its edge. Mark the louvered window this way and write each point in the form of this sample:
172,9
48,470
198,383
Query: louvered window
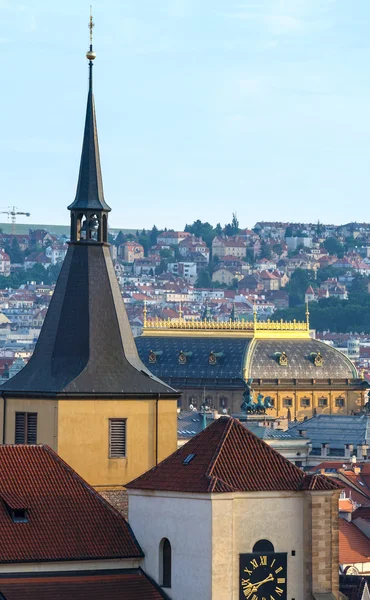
117,438
25,428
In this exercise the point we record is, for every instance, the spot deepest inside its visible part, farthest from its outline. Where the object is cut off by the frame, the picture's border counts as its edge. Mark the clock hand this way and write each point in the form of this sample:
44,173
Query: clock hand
259,583
250,588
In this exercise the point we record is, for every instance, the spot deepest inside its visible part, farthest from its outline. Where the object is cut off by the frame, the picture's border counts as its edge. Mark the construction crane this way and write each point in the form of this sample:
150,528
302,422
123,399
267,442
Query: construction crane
12,214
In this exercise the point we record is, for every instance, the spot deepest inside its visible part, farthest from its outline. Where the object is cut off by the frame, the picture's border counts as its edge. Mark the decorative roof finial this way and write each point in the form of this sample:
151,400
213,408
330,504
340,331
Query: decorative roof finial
90,55
145,312
307,316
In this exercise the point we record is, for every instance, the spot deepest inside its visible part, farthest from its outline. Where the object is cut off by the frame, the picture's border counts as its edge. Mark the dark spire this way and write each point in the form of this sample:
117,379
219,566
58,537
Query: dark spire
90,195
206,312
85,348
233,315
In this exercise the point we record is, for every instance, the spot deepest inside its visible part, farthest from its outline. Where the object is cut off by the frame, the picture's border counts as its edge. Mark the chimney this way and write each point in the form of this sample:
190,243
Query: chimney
325,449
348,450
302,432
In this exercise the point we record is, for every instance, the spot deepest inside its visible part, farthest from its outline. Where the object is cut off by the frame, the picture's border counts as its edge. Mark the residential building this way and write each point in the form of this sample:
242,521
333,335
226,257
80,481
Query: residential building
4,264
172,238
187,270
49,518
131,251
229,246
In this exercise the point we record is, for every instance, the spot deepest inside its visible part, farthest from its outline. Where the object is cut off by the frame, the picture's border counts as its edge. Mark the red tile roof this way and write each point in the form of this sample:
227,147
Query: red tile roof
67,519
227,457
354,546
132,584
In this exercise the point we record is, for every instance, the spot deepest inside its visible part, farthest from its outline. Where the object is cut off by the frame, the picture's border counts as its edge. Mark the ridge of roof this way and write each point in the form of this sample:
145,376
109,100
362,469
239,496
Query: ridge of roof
227,457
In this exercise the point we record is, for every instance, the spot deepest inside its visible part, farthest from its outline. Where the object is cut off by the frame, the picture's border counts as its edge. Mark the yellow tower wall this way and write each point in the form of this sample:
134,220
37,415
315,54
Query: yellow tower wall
47,419
83,438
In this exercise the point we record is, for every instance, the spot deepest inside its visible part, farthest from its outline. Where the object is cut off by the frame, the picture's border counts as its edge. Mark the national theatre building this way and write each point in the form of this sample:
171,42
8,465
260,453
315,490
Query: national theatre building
210,362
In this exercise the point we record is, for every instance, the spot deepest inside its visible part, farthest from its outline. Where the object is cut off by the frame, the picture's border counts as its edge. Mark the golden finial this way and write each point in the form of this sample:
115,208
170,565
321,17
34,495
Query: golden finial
90,55
307,316
145,313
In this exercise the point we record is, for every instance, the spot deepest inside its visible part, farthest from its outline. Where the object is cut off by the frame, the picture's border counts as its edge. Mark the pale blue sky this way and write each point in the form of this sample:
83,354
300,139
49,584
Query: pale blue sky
204,107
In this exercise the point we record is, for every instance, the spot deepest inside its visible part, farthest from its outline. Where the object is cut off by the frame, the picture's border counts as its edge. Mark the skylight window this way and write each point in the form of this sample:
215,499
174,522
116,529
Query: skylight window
188,459
19,515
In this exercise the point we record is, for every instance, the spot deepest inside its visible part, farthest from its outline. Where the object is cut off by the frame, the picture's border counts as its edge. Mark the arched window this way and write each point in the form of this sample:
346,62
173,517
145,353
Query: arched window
165,560
263,546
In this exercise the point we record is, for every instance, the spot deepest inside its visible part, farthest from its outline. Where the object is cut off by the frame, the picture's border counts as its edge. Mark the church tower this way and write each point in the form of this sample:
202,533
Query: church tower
85,391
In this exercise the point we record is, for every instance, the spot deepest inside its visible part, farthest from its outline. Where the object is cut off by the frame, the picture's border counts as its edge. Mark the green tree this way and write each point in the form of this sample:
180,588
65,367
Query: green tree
289,232
166,253
120,238
359,284
203,280
334,247
203,230
278,249
37,273
15,253
297,286
153,235
265,251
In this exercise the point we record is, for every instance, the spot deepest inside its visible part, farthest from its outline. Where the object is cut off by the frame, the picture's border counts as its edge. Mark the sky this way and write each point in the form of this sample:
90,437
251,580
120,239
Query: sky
204,108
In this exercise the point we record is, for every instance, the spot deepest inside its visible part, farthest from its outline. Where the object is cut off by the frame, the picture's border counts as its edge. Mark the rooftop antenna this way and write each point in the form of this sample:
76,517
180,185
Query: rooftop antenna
307,316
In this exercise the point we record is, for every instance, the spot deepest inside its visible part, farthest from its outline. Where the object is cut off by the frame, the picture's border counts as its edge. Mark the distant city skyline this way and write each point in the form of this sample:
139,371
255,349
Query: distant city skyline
203,108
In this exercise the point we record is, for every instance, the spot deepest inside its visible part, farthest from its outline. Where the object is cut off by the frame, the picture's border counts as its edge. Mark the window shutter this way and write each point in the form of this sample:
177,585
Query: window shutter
32,428
20,428
117,438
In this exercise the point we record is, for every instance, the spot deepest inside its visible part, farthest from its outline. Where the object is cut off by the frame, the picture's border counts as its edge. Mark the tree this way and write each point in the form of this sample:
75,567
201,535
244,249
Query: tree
15,253
204,279
233,227
359,284
37,273
120,238
166,253
144,240
334,247
265,251
153,235
53,272
203,230
297,287
289,232
218,230
278,249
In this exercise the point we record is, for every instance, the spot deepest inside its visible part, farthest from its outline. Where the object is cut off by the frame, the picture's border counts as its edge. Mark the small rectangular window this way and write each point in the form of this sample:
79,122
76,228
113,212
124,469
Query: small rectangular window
323,402
25,428
287,402
117,438
339,402
305,402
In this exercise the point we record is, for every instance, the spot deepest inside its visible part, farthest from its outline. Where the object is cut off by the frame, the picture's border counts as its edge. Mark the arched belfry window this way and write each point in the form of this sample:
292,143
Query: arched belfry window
263,546
165,563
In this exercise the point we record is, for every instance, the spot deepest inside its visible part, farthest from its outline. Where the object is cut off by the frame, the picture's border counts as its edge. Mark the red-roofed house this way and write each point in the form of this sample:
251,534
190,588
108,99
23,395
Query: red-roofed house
60,538
354,549
242,500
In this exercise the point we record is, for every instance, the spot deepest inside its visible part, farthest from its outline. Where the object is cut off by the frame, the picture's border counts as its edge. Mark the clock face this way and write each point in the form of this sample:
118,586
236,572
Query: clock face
263,576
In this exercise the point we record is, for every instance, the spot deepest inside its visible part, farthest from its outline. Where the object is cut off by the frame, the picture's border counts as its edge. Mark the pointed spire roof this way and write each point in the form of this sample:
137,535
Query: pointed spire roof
90,194
86,347
227,457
